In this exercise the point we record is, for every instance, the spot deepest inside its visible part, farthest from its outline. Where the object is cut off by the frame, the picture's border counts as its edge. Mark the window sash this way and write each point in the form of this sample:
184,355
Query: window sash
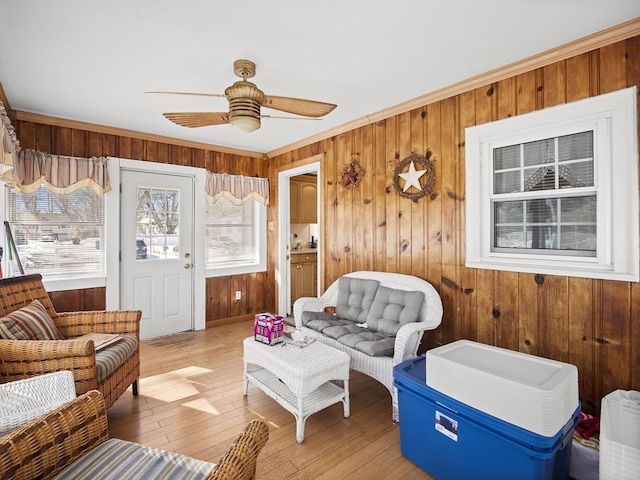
232,234
561,226
58,236
535,184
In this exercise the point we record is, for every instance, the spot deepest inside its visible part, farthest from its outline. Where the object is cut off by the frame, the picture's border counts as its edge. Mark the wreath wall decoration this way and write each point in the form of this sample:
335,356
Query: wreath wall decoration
416,183
351,175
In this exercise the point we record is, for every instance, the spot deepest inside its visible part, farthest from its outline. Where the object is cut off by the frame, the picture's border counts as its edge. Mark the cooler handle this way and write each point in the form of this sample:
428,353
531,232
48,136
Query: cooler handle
447,407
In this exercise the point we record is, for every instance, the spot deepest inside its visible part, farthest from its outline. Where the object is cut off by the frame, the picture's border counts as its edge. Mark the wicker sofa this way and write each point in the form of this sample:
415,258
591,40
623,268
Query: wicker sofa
111,371
358,327
72,442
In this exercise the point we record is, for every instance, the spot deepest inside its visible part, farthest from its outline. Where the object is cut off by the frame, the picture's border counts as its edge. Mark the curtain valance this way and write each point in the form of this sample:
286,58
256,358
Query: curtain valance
57,173
9,145
237,189
28,170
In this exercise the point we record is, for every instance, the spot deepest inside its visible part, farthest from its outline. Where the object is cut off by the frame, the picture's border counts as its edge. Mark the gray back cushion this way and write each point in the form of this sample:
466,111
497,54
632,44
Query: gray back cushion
392,309
355,296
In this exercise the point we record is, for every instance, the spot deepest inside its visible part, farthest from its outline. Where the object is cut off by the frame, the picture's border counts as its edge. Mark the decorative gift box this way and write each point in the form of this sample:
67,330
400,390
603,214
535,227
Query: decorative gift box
268,328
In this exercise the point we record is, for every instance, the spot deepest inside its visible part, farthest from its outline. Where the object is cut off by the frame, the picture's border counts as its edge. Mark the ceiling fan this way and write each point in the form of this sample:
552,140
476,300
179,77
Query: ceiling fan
245,100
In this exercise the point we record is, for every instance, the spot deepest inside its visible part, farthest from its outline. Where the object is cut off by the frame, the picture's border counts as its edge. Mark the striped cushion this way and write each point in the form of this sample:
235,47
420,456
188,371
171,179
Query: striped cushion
29,323
116,459
111,357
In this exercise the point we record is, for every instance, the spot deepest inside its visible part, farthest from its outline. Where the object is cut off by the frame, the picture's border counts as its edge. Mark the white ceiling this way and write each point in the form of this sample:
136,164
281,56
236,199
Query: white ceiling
92,60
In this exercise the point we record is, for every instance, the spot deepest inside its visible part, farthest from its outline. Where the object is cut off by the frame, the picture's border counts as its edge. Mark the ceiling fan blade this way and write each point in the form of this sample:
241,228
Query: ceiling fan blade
298,106
289,118
198,119
190,93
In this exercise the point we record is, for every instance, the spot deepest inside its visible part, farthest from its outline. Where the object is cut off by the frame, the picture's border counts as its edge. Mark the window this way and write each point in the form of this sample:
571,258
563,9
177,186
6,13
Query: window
556,191
235,239
58,236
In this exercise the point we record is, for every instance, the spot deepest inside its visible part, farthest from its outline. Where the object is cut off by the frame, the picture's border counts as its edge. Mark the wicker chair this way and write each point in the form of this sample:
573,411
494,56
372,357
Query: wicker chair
407,339
21,359
58,440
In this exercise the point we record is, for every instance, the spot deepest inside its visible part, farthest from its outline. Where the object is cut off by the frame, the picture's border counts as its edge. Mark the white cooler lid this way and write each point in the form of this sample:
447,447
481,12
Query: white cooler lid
538,372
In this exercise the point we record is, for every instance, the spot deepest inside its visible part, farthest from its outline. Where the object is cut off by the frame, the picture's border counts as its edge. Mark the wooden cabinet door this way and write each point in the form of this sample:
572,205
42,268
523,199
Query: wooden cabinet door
308,203
304,276
308,279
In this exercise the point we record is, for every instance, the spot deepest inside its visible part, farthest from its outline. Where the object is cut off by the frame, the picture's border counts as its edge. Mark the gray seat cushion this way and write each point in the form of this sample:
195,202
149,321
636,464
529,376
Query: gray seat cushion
319,321
355,296
111,357
370,343
337,331
392,308
116,459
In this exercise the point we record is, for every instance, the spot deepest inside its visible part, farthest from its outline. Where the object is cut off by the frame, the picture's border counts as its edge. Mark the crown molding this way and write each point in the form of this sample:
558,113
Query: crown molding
92,127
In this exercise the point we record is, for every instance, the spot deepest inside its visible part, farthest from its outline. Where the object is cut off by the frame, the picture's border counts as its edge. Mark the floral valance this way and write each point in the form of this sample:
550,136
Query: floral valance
9,145
237,189
57,173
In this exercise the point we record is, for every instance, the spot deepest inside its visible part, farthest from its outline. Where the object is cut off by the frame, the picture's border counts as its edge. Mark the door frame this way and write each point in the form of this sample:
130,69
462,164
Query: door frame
283,272
112,235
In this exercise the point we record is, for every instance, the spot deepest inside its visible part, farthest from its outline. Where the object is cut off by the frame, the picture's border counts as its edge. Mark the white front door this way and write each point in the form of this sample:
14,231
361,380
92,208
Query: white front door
156,250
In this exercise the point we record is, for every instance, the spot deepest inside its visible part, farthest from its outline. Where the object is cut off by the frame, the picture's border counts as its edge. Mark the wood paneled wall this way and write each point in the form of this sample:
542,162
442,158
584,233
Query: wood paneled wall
593,324
62,140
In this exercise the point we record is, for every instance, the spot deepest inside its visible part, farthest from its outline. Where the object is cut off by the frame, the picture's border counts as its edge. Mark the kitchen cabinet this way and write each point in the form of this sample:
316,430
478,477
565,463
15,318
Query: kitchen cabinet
304,275
303,204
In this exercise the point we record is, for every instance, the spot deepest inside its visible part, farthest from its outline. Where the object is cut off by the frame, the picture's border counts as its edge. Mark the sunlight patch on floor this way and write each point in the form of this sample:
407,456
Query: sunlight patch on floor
175,385
262,417
203,405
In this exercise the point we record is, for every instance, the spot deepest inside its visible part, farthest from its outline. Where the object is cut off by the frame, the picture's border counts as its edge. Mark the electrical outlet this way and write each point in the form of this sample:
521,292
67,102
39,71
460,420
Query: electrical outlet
238,295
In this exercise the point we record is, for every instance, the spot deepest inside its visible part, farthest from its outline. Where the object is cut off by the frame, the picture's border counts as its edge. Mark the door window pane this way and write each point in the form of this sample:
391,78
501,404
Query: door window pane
157,223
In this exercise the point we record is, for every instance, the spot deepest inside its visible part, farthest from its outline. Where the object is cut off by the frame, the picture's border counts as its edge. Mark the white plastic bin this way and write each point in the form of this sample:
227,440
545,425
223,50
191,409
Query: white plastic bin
620,436
535,393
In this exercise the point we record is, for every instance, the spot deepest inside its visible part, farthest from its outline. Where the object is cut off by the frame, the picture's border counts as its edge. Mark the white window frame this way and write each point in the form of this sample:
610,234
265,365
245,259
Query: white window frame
613,118
241,267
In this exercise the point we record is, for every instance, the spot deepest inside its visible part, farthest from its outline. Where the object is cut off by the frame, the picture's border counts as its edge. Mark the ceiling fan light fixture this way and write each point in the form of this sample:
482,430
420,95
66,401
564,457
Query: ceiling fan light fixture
245,123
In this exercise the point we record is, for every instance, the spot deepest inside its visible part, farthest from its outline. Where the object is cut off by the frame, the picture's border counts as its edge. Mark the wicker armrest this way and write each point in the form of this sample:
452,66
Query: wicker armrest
408,340
74,324
27,358
240,460
45,446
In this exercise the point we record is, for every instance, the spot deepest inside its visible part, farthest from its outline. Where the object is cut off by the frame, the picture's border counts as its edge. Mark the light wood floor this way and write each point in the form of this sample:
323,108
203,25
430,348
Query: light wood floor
191,402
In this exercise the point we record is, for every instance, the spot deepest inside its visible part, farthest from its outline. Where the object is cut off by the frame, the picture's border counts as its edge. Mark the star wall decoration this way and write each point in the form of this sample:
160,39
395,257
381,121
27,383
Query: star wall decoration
412,177
351,175
415,183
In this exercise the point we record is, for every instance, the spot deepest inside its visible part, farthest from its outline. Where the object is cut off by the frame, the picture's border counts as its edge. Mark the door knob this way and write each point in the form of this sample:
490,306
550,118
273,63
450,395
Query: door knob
187,266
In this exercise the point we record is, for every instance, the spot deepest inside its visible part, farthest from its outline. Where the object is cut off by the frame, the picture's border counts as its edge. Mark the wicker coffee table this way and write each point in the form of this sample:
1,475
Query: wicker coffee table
299,379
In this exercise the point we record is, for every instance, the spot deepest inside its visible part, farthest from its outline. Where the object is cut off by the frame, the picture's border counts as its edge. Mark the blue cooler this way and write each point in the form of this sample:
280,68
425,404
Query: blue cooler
451,440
